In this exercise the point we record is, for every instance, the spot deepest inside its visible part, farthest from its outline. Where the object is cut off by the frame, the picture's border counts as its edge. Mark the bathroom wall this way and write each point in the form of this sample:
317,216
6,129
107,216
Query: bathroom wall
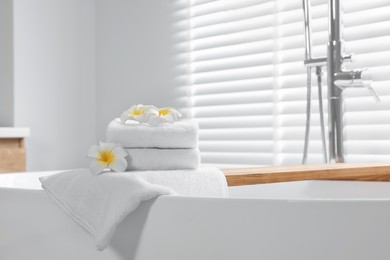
136,60
6,63
54,86
78,64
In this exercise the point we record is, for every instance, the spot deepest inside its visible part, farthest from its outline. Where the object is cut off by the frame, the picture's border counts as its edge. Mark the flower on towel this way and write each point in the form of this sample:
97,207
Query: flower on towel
107,156
139,113
165,115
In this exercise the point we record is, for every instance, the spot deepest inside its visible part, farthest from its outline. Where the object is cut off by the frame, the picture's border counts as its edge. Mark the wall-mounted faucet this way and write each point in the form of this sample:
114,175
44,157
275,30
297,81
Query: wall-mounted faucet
338,80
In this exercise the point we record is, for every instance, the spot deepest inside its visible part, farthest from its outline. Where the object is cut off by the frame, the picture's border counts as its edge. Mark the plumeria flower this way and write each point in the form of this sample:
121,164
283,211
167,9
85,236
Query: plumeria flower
165,115
107,156
139,113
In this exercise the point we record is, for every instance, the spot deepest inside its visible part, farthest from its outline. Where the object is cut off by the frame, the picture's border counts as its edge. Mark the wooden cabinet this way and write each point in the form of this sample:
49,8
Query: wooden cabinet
12,149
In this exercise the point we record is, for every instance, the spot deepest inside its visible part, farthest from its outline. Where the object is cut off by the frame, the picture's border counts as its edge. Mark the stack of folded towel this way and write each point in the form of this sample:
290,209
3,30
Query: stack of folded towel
164,160
170,146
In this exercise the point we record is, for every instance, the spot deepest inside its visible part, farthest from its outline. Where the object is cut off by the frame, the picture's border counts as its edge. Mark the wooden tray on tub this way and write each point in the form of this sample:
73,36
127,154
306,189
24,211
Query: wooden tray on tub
339,171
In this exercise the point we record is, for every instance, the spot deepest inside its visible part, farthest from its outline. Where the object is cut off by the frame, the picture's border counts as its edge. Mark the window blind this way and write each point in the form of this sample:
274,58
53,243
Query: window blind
367,123
248,82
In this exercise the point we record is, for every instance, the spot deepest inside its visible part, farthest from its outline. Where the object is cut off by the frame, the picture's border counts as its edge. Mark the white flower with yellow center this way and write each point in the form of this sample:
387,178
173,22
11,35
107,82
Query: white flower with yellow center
165,115
139,113
107,156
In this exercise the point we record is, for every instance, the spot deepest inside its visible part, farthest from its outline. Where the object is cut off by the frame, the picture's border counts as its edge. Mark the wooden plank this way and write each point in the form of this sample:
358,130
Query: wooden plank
21,142
10,142
12,160
356,172
12,155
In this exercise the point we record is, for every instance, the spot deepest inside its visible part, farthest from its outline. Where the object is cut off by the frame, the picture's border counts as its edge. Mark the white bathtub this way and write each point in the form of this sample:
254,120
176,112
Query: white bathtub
309,220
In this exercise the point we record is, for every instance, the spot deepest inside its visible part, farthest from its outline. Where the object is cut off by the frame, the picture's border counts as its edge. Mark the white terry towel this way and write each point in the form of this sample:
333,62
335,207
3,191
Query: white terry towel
100,202
203,182
180,134
146,159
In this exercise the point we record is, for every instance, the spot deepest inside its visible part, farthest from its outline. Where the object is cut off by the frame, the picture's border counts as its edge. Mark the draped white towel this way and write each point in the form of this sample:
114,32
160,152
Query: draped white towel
100,202
180,134
146,159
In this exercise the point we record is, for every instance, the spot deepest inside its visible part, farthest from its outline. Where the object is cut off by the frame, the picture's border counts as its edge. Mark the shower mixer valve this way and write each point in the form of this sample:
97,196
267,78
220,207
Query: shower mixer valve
338,80
360,78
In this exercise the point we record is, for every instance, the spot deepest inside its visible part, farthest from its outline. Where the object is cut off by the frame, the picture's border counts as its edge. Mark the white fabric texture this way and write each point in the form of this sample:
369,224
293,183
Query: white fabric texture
100,202
203,182
146,159
181,134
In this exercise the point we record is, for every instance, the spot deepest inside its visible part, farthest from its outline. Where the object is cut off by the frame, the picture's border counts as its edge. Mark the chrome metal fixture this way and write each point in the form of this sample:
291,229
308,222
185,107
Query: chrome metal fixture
338,80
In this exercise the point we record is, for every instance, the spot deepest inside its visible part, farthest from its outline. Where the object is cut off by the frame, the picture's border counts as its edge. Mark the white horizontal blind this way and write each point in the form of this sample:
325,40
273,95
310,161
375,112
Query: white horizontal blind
232,80
291,88
367,123
248,82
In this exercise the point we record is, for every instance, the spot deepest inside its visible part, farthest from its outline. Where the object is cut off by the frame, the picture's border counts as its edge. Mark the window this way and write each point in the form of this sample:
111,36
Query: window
248,82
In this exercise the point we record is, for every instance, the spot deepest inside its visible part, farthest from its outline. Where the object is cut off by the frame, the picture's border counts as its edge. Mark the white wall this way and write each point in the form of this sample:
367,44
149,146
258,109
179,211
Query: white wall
136,62
6,63
54,87
60,95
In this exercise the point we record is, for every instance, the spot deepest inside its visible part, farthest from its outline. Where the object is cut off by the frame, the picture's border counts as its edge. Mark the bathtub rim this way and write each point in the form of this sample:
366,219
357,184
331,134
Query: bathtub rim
235,199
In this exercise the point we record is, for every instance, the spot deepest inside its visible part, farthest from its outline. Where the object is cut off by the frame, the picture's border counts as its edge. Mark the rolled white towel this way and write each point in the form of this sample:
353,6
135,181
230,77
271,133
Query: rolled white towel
149,159
180,134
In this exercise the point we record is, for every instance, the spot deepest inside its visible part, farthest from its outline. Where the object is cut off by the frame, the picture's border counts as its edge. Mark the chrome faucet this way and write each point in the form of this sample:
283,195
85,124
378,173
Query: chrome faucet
338,80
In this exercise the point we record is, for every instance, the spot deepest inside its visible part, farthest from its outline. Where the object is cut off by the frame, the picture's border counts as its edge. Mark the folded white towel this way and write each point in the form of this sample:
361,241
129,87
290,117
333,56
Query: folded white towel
146,159
180,134
100,202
